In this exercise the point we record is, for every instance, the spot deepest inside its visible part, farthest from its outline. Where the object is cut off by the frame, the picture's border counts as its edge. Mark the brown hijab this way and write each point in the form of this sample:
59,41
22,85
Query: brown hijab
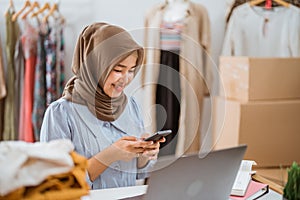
100,47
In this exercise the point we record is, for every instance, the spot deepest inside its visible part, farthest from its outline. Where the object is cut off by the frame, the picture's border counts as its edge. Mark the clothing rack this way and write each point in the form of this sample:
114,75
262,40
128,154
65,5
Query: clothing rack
40,55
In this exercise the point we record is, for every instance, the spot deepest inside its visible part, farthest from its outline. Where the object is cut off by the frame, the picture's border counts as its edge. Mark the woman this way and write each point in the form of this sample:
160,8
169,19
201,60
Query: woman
95,114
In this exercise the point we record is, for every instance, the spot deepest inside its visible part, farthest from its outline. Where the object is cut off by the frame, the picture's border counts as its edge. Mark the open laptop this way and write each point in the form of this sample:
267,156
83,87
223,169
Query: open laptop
190,177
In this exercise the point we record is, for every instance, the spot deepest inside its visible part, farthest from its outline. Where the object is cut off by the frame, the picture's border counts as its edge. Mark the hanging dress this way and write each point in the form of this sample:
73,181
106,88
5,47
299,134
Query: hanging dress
39,105
2,92
60,51
12,32
50,45
19,80
29,42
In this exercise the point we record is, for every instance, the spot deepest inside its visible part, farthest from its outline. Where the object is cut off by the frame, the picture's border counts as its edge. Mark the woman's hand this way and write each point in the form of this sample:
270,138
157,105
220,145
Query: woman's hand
125,149
150,152
129,147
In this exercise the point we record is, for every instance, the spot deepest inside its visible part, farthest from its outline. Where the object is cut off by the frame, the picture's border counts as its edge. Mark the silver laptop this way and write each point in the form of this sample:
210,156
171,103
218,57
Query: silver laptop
190,177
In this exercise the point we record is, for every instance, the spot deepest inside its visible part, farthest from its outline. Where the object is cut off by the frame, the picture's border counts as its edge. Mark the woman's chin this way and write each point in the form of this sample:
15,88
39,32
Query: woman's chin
116,94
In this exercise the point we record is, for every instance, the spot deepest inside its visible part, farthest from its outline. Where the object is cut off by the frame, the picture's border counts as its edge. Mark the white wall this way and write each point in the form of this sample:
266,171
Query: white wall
126,13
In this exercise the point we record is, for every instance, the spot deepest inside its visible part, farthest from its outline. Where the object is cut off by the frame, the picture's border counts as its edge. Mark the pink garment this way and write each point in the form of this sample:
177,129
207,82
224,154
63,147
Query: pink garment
29,42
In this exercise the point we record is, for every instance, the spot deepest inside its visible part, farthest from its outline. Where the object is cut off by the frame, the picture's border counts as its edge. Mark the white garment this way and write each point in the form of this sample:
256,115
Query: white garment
28,164
175,11
256,32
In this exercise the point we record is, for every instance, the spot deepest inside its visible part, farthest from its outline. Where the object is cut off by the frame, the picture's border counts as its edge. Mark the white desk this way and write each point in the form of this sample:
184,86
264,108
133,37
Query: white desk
125,192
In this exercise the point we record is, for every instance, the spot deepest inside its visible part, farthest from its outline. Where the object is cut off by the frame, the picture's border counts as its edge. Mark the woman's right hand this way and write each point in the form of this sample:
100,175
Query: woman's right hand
128,147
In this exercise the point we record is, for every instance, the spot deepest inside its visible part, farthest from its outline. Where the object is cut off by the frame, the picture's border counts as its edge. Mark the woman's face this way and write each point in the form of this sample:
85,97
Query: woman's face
121,75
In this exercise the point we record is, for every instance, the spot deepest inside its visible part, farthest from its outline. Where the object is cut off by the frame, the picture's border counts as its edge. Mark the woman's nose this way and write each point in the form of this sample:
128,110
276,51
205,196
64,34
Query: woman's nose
125,77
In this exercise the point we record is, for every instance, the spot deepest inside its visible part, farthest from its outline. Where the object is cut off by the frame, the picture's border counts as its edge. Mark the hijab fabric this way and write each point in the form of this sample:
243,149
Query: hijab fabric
100,47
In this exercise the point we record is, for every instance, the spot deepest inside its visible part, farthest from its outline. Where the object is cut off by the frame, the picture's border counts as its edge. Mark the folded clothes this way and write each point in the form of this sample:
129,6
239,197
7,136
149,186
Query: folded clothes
64,186
29,164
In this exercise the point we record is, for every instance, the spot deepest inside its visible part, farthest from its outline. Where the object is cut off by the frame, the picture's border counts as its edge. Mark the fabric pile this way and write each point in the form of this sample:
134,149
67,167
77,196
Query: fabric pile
42,171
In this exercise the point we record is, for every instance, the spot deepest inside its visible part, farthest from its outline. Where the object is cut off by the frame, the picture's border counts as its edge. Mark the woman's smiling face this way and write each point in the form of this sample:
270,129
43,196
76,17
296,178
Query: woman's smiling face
120,76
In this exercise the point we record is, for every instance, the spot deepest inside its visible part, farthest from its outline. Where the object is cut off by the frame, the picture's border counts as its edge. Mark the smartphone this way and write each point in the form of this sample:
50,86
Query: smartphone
158,135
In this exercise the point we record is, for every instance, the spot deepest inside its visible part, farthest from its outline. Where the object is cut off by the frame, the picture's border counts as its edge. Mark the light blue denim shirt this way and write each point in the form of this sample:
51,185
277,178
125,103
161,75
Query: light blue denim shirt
64,119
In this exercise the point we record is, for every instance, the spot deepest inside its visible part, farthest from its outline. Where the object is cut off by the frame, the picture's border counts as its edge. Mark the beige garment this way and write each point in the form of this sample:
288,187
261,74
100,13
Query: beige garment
12,34
194,63
2,93
2,79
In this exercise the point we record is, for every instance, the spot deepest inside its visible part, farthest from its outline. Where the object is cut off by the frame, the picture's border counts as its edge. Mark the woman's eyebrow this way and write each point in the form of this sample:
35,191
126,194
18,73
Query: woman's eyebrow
120,65
124,66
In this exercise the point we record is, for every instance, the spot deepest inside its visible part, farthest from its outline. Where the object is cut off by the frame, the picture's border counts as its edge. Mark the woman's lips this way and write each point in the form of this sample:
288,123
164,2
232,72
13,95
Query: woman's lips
119,88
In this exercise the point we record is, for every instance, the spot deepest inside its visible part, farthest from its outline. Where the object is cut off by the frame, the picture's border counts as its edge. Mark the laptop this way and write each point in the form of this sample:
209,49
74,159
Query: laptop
190,177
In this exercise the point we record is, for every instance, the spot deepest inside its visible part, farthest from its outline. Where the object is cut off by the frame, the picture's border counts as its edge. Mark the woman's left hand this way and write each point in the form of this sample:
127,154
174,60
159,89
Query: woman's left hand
151,151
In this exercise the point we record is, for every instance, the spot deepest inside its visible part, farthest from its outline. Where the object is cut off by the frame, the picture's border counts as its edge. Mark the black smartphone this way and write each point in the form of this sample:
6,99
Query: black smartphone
158,135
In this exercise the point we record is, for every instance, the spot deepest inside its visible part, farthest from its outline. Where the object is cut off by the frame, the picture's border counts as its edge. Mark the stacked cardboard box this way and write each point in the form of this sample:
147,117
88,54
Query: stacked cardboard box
259,106
276,175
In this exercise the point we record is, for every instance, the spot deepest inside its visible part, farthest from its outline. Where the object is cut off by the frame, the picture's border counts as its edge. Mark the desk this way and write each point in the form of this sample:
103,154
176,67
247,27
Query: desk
125,192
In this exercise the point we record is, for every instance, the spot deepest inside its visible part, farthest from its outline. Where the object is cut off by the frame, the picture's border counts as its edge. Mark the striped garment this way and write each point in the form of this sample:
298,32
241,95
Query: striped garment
170,35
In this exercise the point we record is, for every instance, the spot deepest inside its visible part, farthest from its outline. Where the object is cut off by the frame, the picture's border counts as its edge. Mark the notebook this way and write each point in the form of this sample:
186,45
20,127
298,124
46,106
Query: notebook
190,177
255,190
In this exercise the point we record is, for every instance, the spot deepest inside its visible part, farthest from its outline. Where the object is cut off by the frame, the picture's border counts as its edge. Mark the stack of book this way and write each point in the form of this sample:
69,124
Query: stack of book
246,188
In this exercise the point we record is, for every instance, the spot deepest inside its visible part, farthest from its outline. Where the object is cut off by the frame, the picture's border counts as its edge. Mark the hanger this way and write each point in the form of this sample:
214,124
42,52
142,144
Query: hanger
46,6
280,2
52,11
16,15
32,7
168,1
10,7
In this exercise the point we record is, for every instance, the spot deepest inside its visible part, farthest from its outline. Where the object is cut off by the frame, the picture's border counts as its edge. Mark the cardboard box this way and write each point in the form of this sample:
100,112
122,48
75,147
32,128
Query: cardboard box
246,79
277,175
271,129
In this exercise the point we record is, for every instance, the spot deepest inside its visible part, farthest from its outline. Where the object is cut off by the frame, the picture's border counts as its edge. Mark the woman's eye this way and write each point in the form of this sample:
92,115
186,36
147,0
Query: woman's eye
117,70
132,70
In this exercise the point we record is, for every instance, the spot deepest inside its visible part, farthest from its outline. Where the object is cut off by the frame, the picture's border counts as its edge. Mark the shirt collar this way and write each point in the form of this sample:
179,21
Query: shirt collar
124,123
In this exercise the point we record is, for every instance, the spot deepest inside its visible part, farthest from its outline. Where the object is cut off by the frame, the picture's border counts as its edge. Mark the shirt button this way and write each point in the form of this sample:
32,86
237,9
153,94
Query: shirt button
106,124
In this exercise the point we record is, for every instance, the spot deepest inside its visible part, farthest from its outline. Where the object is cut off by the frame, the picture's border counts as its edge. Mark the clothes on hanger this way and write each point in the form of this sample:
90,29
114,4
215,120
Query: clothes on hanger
257,32
23,121
19,80
3,91
12,32
2,78
29,43
39,103
235,3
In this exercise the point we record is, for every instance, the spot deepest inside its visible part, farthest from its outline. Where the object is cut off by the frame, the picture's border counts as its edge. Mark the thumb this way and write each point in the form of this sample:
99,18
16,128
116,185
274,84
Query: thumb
145,135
